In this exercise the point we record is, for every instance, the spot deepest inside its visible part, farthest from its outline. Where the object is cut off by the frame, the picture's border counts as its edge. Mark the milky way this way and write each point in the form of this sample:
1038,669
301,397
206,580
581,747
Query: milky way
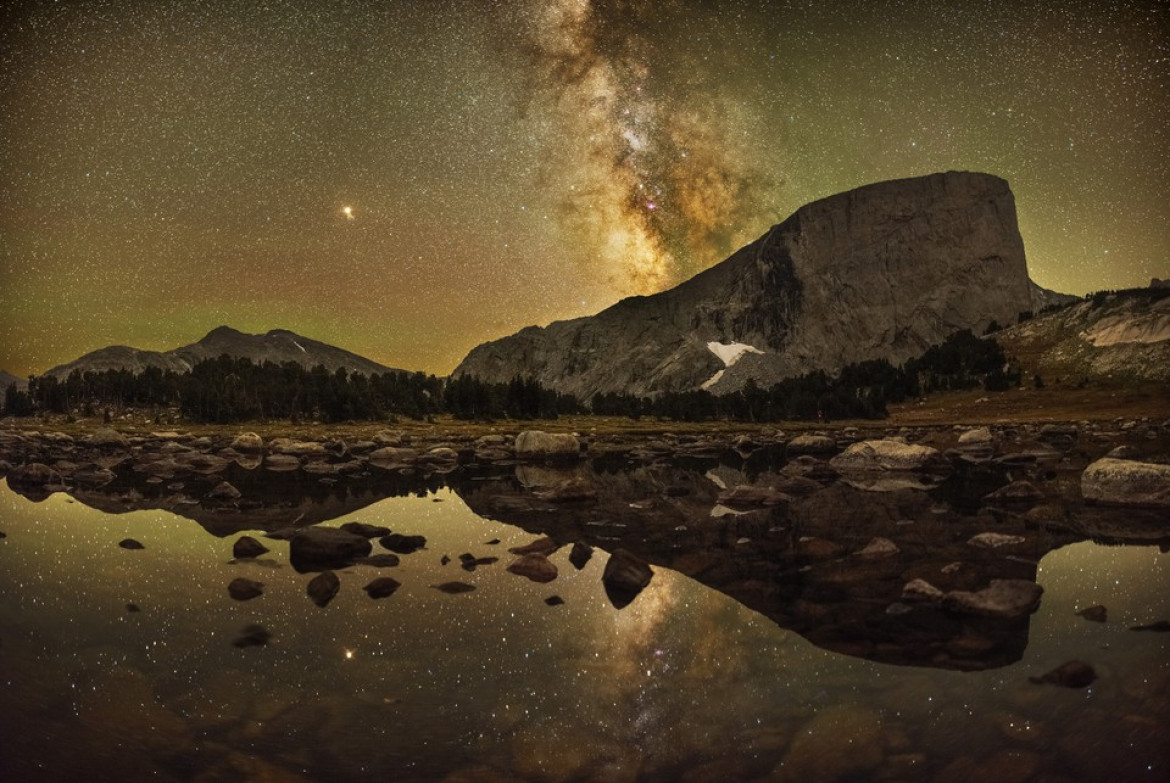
167,167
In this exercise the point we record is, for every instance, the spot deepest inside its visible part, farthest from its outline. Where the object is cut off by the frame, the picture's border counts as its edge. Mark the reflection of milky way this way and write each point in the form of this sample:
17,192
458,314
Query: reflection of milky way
649,178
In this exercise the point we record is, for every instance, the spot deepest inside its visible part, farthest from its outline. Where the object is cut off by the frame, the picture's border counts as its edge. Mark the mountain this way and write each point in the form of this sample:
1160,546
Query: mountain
1122,335
278,346
885,270
7,379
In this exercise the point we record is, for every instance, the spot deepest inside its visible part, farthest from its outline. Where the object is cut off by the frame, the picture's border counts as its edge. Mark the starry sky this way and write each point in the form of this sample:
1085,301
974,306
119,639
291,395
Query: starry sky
409,179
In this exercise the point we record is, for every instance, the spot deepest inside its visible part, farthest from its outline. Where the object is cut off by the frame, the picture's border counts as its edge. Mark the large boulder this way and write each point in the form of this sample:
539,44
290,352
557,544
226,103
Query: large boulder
317,548
625,576
874,455
535,444
248,443
1127,482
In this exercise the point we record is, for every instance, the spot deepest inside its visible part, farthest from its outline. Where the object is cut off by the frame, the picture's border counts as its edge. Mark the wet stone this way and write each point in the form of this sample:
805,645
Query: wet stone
130,543
248,547
242,589
323,587
403,545
382,587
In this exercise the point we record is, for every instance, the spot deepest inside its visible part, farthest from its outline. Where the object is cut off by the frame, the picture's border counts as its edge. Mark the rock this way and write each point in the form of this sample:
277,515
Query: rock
253,636
1127,482
843,742
625,576
392,457
34,474
811,444
868,274
811,468
224,491
247,547
1002,598
980,436
243,589
1060,436
994,540
575,490
378,561
880,455
389,438
469,562
1094,614
453,588
534,566
364,530
281,463
815,548
1022,491
108,438
297,448
323,587
1073,674
403,545
381,587
554,600
541,546
315,548
579,555
535,444
247,443
878,547
130,543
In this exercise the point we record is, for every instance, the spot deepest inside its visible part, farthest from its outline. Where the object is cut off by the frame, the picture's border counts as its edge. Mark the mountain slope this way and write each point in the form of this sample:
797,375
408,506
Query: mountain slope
7,379
885,270
278,346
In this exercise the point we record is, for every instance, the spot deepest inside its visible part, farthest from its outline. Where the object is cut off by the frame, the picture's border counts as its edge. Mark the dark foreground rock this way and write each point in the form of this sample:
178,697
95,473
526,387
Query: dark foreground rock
534,566
382,587
403,545
625,576
1127,482
453,588
323,587
248,547
130,543
242,589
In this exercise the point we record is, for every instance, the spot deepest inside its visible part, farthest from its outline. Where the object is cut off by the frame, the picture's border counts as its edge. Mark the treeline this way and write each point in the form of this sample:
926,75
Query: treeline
230,389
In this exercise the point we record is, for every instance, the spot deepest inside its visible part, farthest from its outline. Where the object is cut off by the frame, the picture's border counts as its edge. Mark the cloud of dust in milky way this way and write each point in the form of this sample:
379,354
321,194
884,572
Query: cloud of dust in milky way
652,178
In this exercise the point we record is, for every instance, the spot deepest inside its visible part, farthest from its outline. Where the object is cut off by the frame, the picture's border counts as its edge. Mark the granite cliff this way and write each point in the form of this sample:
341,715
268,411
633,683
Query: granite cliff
885,270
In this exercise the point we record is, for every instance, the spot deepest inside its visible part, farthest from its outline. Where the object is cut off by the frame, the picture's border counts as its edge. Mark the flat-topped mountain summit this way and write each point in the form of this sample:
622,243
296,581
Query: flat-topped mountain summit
883,271
277,346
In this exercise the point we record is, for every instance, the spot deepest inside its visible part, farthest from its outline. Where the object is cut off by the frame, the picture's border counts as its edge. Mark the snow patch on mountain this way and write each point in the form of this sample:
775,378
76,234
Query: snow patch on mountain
729,354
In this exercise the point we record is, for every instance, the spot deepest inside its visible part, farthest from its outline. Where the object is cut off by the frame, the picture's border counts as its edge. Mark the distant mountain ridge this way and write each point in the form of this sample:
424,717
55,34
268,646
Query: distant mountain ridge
7,379
277,346
882,271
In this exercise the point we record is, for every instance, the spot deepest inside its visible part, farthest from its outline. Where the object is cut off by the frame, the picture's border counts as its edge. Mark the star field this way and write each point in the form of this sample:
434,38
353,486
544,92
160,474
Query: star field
407,180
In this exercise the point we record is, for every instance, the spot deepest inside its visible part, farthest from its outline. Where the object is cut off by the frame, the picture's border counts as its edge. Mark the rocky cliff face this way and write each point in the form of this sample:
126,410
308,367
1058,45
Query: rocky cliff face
882,271
277,346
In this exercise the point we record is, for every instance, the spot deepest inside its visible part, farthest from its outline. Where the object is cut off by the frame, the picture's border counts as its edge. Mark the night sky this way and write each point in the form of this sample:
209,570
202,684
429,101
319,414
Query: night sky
408,179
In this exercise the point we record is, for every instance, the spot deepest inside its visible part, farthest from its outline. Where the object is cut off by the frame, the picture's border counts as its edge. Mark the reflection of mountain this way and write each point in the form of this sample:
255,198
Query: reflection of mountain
797,562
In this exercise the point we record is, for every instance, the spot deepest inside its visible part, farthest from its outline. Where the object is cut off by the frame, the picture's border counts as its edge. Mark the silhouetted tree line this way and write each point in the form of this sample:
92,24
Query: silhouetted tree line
230,389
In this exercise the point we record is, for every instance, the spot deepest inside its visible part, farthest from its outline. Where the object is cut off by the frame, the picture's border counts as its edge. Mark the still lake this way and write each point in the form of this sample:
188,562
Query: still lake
119,664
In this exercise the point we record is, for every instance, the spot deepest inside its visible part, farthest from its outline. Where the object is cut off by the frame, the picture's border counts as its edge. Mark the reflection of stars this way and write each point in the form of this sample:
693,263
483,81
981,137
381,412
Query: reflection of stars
348,212
349,655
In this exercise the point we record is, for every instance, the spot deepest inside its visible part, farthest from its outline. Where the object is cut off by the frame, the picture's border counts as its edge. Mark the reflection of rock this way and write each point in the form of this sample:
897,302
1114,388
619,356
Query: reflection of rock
1126,482
1073,674
1002,598
323,587
1021,492
34,474
315,548
224,491
625,576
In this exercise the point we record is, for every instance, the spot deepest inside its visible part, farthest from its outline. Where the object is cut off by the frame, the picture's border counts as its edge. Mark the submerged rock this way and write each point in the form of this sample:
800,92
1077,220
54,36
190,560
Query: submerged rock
534,566
253,636
381,587
625,576
248,547
1127,482
843,742
1161,626
323,587
453,588
242,589
1095,614
1073,674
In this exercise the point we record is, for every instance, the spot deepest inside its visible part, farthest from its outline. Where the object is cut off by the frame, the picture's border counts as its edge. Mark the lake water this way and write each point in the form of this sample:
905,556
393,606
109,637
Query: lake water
685,683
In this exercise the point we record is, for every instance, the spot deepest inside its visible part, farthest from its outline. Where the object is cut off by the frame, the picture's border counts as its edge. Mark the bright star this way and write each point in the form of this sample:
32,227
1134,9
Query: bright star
348,212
